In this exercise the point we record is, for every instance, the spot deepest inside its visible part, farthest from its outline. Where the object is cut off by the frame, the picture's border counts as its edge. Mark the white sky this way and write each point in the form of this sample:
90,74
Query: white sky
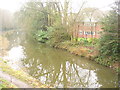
13,5
101,4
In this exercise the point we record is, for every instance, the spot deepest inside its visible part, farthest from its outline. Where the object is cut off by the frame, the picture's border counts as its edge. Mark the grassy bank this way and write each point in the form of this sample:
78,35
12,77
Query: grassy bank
6,84
91,48
21,75
89,51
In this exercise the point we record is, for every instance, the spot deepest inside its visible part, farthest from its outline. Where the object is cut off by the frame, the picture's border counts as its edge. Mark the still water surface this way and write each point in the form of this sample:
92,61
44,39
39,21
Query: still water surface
56,67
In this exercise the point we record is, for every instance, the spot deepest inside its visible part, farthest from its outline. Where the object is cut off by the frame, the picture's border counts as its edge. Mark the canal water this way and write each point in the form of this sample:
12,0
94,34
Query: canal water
56,67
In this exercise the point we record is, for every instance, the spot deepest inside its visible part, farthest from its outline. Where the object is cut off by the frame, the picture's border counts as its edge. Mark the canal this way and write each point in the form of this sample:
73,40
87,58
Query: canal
56,67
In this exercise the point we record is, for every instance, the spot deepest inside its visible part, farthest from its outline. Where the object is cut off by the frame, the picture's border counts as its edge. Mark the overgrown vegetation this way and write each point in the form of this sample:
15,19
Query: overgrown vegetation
51,36
109,46
50,23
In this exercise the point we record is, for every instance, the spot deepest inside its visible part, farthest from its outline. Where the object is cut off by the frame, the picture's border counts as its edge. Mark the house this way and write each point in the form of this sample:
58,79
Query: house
87,29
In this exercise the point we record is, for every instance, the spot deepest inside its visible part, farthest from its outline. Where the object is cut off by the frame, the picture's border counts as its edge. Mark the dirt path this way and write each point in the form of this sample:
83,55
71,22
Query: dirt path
13,80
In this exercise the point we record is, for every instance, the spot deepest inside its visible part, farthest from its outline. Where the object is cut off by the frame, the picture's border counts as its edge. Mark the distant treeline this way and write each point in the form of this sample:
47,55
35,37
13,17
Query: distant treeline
7,20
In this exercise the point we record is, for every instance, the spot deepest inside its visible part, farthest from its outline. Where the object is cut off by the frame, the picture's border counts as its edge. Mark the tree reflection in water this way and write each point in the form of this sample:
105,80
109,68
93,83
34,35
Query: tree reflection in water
63,74
62,69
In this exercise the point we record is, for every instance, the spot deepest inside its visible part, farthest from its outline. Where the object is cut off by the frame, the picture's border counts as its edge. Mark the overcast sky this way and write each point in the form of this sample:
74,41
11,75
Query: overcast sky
14,5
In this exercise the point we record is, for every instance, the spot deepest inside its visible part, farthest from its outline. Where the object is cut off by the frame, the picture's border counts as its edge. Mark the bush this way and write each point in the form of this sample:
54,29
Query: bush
58,36
82,39
109,46
52,36
42,36
92,40
88,41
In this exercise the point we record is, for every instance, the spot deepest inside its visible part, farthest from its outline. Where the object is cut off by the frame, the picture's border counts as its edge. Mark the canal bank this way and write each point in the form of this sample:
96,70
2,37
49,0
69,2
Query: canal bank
6,84
11,77
17,78
55,67
88,52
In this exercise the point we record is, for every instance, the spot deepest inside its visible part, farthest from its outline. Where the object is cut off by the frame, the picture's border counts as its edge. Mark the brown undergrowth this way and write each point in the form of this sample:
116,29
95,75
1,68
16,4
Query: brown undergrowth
89,52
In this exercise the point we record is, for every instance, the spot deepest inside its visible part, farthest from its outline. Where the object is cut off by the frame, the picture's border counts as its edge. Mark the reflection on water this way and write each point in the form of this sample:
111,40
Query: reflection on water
67,74
14,57
59,68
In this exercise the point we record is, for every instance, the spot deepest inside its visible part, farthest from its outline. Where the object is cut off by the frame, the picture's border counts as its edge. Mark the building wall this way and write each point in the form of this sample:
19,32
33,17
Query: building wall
87,30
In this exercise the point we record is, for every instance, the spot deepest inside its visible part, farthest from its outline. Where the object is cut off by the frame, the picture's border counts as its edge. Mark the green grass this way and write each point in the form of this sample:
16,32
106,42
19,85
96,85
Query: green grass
6,84
21,75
